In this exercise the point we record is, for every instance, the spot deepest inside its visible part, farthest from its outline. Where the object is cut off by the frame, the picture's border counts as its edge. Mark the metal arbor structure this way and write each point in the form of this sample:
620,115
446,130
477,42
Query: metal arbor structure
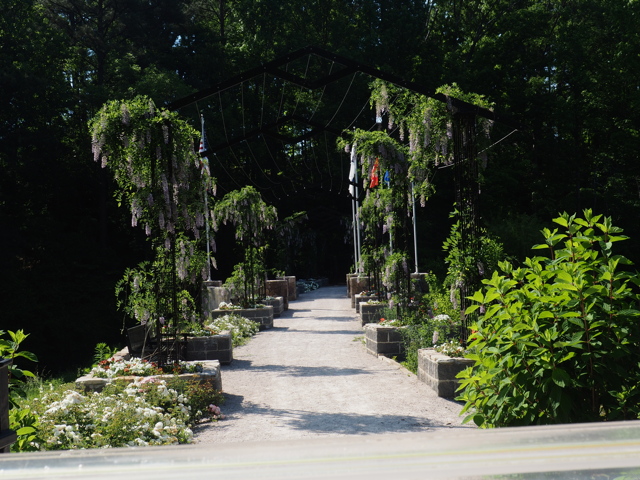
293,130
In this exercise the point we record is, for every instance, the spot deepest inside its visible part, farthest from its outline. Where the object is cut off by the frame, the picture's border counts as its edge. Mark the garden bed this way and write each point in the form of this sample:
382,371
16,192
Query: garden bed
439,371
385,341
278,305
291,287
363,299
349,277
279,288
357,285
262,316
215,347
210,373
213,295
370,313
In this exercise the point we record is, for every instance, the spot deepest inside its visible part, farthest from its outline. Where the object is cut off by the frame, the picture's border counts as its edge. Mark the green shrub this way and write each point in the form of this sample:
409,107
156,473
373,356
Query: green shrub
559,340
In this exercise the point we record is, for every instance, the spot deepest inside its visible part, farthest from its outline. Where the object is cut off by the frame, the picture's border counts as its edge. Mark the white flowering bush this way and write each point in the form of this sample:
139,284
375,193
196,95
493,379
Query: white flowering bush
228,306
390,323
143,413
241,328
451,348
112,368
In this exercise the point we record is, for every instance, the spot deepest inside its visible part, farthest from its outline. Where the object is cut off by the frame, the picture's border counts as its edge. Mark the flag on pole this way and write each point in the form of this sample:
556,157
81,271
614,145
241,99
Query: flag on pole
204,161
387,178
375,174
352,172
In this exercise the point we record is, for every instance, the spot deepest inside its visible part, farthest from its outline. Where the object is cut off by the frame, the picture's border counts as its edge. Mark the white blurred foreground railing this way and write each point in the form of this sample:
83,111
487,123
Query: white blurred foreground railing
604,450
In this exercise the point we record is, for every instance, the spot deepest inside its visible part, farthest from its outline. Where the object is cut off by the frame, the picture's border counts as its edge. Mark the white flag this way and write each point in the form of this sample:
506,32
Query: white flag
352,171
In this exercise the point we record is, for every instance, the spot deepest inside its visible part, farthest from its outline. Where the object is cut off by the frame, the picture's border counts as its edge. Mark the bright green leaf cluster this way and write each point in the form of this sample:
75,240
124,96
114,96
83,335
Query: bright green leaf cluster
557,340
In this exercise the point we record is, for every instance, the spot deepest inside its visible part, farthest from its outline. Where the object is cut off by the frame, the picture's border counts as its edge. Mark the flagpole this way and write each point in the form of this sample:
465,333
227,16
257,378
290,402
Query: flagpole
358,215
206,204
415,237
355,239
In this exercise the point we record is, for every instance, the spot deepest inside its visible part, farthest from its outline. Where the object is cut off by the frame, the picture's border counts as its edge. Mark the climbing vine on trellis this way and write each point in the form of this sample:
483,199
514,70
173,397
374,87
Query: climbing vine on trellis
250,216
151,153
430,133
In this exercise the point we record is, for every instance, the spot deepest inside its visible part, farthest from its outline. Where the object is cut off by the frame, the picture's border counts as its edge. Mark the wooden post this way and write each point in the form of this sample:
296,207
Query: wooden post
7,436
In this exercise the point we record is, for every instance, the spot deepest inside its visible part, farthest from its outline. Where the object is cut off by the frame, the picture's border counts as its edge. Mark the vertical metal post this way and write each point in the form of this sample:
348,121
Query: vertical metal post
358,219
206,219
415,237
206,203
355,237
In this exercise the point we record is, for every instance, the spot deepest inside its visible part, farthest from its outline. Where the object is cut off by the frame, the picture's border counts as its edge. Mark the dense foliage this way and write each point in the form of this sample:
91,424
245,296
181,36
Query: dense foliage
557,341
566,69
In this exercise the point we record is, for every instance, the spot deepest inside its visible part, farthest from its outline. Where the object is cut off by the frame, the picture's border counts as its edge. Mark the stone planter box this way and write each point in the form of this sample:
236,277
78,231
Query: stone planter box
215,347
357,285
363,298
422,286
439,371
279,288
213,295
262,316
370,313
385,341
349,277
277,304
293,291
211,373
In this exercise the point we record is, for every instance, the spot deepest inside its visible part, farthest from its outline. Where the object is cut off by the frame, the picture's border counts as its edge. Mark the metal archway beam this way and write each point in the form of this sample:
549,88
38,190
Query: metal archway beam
351,66
268,129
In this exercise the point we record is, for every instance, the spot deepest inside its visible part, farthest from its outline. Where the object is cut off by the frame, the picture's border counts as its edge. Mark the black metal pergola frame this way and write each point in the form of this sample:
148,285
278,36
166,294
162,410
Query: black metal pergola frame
464,132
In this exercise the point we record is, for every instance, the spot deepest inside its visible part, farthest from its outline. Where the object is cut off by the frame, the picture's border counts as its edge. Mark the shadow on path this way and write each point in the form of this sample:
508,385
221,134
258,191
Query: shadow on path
325,422
296,371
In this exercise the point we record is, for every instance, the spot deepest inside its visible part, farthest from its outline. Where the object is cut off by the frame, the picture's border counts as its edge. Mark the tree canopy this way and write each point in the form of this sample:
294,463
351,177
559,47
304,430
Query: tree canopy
566,69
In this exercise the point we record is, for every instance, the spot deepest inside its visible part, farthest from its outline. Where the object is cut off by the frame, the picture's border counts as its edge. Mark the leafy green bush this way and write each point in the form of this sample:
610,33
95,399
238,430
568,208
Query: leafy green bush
10,349
557,340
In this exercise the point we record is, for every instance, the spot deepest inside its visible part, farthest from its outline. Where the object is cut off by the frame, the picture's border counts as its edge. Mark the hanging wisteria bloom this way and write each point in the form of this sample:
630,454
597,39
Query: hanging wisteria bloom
125,114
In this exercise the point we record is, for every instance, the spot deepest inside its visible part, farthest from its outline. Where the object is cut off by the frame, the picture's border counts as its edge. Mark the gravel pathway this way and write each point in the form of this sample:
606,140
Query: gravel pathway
310,376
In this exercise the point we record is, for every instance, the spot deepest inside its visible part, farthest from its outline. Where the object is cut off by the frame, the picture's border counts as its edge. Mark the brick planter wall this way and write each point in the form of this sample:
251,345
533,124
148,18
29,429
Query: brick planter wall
262,316
439,371
370,313
277,304
357,285
215,347
279,288
211,373
386,341
363,298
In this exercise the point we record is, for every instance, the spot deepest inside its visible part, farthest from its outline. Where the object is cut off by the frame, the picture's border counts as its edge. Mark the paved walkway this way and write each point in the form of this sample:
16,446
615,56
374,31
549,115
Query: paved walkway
310,376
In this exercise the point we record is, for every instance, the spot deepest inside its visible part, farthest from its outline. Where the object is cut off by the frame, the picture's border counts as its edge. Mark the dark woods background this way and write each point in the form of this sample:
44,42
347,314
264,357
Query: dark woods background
567,69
